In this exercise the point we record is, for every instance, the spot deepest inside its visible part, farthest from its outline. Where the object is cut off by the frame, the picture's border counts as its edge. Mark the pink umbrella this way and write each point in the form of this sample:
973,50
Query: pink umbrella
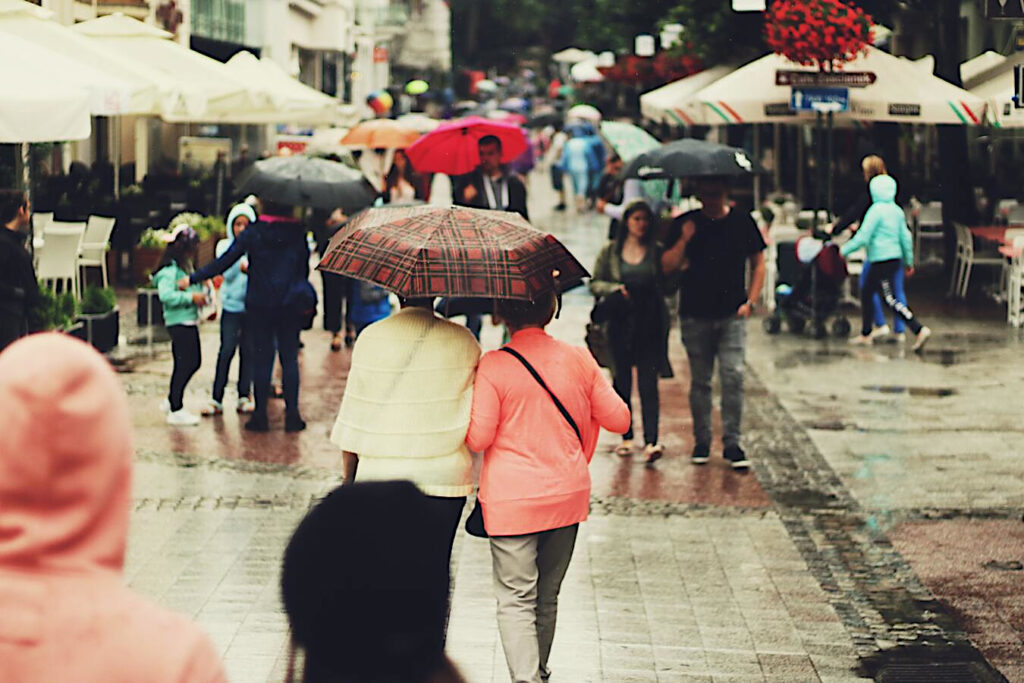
451,148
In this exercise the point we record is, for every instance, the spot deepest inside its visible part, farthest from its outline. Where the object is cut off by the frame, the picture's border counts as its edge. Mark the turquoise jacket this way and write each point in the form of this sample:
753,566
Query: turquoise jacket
884,229
236,283
178,306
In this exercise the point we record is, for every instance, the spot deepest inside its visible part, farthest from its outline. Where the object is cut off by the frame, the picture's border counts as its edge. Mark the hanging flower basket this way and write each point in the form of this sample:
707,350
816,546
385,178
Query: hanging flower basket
821,33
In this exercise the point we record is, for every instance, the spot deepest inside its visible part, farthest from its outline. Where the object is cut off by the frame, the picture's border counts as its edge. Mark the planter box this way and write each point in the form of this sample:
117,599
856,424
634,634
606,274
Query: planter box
205,252
76,330
102,330
150,311
144,262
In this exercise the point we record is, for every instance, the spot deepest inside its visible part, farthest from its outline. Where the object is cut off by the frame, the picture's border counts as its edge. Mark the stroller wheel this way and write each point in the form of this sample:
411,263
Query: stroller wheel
841,327
796,325
772,325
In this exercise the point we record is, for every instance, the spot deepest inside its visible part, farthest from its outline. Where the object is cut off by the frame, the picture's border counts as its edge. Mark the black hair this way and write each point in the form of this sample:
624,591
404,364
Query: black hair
10,202
636,207
180,252
518,314
489,140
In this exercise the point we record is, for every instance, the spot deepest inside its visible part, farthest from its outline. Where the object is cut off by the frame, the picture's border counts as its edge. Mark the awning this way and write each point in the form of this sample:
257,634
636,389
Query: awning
901,93
674,103
38,105
995,86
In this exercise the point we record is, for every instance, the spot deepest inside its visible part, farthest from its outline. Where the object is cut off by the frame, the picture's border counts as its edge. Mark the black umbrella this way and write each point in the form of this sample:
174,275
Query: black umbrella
307,181
544,118
690,158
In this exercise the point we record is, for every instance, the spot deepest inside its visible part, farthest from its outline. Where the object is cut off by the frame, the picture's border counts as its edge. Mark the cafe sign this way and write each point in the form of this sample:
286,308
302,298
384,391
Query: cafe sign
833,79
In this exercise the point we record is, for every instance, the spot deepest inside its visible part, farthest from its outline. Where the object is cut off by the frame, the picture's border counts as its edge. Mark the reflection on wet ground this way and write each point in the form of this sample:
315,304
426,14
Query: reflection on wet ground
916,392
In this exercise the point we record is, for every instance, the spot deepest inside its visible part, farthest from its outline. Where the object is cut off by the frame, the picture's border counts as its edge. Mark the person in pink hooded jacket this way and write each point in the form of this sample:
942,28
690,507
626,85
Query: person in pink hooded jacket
65,498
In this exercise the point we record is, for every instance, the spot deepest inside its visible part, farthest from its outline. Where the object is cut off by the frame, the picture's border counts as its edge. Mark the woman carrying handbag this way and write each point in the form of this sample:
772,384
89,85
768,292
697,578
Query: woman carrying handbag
538,407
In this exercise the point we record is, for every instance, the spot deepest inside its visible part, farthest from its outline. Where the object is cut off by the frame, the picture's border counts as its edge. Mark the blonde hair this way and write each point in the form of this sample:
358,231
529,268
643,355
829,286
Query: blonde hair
873,165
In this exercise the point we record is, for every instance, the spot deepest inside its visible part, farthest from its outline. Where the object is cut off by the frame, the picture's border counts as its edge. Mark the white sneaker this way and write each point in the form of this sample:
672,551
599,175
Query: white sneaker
245,405
922,338
879,333
212,408
901,337
165,405
860,340
182,418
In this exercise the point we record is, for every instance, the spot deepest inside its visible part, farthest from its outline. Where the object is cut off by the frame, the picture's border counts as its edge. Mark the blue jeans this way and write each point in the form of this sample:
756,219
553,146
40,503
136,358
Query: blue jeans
275,327
706,340
234,335
898,326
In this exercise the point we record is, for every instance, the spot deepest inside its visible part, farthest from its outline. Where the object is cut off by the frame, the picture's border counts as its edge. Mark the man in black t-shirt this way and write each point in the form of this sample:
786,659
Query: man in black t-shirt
712,247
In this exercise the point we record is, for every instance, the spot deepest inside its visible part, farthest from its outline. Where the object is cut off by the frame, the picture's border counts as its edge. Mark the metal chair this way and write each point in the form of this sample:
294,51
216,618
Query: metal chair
966,259
59,260
93,251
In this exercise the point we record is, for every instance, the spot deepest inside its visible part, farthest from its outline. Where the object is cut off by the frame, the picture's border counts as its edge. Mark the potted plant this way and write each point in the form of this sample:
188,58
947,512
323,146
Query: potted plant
100,317
210,229
56,312
147,254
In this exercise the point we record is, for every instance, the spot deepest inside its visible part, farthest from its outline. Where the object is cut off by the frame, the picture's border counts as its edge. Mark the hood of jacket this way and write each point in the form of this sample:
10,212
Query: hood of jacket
237,210
65,458
883,189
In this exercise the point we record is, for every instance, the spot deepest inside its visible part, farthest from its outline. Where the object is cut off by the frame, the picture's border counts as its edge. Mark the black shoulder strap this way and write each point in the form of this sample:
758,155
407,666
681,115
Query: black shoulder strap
540,381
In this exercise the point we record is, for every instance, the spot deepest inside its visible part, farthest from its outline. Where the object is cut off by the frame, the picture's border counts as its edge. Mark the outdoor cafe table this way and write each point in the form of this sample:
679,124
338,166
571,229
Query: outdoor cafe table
997,235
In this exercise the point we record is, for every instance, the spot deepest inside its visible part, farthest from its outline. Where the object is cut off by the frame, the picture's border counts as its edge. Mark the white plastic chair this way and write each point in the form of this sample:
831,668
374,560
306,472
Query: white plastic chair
40,221
93,251
59,260
967,259
927,226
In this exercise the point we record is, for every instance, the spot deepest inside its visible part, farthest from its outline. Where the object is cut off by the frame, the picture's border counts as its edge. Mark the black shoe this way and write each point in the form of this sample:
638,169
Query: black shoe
257,423
736,457
293,422
701,454
560,207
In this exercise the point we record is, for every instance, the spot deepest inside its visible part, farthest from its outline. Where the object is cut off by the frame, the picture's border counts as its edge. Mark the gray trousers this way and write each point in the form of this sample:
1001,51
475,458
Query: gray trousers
705,340
528,573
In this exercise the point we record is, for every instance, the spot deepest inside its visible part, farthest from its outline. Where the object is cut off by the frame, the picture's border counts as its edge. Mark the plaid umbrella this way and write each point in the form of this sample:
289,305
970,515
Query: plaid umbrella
428,251
628,140
452,147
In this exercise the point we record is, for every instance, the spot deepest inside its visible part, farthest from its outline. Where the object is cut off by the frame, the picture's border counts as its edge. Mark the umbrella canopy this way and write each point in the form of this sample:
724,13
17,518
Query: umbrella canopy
381,134
452,147
417,87
584,112
690,158
507,117
421,123
674,103
628,140
546,117
486,85
979,65
430,251
306,181
572,55
39,105
995,86
290,100
586,72
901,93
515,104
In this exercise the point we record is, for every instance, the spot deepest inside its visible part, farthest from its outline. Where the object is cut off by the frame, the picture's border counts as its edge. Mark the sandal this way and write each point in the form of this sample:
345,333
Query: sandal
624,449
653,451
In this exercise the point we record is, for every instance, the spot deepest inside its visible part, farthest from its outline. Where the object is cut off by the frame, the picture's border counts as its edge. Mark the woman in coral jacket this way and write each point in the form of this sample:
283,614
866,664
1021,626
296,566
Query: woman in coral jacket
535,481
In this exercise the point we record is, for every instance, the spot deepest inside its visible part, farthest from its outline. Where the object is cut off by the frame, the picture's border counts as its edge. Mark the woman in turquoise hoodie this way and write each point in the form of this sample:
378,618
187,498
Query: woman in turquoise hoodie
885,234
233,333
181,316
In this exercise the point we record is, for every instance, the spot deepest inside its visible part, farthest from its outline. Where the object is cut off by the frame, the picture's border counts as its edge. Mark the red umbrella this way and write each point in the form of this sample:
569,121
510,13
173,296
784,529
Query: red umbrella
428,251
452,147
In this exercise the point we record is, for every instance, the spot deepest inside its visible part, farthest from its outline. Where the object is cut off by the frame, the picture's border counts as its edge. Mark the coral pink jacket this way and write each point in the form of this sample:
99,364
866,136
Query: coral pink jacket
65,497
534,475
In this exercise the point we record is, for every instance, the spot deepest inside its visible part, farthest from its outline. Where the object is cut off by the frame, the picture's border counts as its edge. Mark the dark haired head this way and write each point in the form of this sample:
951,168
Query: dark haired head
11,201
638,206
181,249
517,314
365,585
489,140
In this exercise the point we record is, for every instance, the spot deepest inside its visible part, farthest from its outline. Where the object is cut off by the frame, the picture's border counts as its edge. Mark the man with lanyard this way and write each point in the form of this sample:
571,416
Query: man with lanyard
489,186
712,248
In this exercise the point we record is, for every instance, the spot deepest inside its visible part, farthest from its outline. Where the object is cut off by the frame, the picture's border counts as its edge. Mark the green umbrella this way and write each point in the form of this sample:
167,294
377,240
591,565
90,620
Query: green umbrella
417,87
566,91
628,140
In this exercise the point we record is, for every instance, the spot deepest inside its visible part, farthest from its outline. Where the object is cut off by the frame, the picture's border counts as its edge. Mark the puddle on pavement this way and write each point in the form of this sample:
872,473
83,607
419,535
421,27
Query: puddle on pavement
811,357
943,356
915,392
1004,566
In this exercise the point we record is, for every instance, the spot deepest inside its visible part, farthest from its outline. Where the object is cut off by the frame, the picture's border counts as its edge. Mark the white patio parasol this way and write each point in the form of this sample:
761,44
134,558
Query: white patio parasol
573,55
586,72
39,105
674,103
995,86
901,93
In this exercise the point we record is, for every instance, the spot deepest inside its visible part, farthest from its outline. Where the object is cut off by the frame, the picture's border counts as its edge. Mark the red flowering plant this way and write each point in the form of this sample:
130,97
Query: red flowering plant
650,72
822,33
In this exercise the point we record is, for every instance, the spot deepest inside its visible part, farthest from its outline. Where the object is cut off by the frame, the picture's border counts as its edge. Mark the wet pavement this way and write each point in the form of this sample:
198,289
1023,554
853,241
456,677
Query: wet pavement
878,535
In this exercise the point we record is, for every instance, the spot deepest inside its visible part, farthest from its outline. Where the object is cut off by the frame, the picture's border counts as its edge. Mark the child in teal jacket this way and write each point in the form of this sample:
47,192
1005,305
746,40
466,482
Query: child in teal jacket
885,235
181,316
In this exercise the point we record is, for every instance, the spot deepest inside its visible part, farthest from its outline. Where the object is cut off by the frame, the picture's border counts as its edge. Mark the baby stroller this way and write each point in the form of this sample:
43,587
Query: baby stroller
812,294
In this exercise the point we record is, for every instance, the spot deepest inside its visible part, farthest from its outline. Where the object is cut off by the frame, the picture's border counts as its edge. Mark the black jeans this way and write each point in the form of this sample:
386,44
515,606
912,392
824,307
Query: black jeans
275,328
647,361
12,328
879,281
337,295
448,512
187,358
234,335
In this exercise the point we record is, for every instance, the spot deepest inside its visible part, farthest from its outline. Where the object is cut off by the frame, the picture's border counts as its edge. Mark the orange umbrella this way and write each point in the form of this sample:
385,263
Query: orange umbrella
380,134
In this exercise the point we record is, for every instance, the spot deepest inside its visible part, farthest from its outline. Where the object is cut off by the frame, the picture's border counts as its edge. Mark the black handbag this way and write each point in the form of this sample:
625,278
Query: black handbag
475,521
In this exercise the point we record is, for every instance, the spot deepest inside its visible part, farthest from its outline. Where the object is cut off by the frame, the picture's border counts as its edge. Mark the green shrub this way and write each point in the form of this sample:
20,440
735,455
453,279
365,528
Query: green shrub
53,311
98,300
153,238
205,226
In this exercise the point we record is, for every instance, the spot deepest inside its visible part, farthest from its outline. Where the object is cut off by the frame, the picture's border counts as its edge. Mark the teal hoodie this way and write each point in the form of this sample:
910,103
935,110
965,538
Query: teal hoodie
236,283
884,229
178,306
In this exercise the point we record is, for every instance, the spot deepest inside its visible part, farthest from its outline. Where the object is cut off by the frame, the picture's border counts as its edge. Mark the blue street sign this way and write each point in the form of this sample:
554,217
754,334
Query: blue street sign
820,99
